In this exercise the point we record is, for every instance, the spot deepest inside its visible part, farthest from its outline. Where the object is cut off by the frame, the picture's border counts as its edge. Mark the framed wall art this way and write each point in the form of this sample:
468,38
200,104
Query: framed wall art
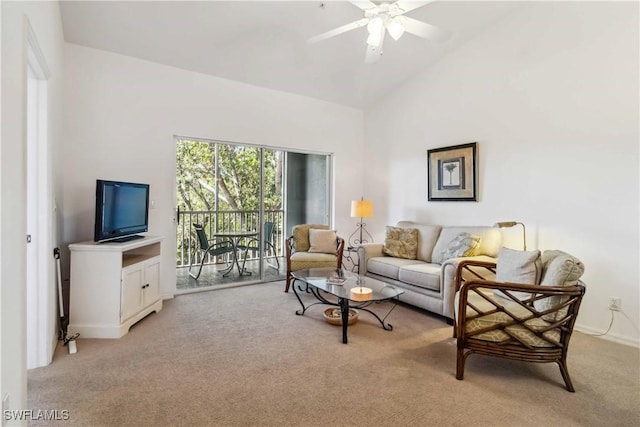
452,173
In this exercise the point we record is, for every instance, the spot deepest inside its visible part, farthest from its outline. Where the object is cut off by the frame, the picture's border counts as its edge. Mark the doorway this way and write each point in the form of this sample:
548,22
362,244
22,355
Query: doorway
41,336
250,194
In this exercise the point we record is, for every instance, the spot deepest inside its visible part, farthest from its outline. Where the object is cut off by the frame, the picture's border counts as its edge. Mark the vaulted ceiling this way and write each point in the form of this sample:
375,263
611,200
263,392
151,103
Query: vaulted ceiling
264,43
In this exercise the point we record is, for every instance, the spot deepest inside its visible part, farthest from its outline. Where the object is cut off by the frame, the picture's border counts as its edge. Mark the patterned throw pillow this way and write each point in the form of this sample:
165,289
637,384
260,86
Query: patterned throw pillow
464,244
558,269
401,242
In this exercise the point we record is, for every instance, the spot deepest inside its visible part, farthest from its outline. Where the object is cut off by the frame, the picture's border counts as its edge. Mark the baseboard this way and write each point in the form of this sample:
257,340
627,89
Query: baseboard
609,337
112,330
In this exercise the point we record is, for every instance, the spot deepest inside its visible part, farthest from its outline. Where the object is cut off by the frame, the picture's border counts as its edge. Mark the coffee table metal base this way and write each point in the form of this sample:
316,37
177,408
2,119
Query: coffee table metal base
344,305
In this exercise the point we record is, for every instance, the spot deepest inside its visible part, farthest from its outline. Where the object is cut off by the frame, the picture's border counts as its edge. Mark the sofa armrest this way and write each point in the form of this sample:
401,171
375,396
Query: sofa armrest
456,271
366,251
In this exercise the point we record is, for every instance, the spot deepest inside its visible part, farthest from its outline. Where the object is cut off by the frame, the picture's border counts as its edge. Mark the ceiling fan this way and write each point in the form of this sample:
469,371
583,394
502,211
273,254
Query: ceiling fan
386,17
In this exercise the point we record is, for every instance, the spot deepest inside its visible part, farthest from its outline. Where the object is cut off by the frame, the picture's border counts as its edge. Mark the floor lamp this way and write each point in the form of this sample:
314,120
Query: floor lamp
507,224
361,209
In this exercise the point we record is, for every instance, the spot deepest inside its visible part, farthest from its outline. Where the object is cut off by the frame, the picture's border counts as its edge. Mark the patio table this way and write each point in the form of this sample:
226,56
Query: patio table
235,237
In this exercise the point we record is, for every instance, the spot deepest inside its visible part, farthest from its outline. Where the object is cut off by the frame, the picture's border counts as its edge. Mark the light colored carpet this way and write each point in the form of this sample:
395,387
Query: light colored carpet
241,357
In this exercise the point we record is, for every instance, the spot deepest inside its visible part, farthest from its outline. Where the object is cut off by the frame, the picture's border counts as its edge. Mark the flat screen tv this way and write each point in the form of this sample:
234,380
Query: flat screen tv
122,210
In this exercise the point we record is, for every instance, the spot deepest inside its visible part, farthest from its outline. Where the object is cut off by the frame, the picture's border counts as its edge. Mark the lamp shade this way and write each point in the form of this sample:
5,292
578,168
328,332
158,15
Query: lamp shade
396,30
505,224
361,209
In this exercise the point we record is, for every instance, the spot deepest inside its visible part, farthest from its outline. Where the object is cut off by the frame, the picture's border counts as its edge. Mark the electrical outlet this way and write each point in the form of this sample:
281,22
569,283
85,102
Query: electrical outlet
615,304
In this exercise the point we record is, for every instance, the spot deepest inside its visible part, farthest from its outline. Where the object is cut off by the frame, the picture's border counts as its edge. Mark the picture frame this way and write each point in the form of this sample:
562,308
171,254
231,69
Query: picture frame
452,173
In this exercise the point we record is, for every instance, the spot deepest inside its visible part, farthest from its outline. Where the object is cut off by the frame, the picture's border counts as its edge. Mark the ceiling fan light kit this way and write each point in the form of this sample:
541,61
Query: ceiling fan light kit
376,31
395,29
387,17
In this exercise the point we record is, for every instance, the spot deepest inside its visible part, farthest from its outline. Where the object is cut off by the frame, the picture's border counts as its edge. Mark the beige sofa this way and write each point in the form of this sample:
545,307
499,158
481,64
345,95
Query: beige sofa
428,285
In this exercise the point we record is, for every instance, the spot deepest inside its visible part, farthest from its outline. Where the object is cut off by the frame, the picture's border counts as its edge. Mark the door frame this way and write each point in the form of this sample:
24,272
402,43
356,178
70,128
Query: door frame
40,301
261,150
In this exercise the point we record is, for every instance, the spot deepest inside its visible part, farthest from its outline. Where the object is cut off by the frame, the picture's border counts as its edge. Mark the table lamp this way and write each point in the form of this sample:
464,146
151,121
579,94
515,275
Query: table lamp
361,209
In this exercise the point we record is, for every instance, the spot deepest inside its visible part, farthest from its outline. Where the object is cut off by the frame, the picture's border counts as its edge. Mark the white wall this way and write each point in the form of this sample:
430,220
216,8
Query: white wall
551,96
121,115
44,18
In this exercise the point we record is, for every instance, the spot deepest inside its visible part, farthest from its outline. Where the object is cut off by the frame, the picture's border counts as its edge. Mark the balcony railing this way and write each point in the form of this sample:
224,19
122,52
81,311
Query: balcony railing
222,221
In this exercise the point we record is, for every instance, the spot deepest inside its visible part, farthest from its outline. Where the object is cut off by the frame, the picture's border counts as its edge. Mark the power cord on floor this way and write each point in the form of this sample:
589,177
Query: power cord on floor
608,329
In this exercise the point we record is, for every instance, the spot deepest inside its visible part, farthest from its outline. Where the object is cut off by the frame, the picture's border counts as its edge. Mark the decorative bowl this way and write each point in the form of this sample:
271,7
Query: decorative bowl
334,316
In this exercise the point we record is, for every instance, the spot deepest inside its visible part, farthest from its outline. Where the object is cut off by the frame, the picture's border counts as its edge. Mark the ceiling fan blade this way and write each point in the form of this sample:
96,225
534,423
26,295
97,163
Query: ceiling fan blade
336,31
424,30
408,5
373,54
363,4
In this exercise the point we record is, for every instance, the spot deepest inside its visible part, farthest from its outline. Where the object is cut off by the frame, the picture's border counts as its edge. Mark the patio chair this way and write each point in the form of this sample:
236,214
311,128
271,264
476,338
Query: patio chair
210,247
303,252
267,244
526,322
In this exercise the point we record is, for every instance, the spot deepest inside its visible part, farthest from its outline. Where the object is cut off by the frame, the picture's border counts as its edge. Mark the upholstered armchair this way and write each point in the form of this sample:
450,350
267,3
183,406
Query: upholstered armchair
311,246
530,322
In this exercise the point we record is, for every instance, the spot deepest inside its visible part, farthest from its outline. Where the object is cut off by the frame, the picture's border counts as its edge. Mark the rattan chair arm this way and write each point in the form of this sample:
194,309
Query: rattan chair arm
468,266
520,287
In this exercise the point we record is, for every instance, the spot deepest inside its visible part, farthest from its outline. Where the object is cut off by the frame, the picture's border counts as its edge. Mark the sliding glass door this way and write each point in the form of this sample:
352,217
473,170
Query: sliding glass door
246,198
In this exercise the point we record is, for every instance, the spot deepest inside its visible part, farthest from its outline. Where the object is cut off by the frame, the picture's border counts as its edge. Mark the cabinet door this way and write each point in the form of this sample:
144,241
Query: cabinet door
151,281
132,291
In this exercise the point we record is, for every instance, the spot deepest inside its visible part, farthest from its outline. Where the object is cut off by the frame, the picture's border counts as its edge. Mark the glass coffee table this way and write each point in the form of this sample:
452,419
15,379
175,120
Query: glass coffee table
318,281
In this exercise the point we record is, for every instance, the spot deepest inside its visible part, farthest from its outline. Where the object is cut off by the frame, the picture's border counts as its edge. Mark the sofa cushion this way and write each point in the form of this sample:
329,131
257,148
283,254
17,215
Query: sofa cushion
401,242
322,241
516,266
427,237
423,275
490,239
558,269
304,260
389,266
464,244
301,235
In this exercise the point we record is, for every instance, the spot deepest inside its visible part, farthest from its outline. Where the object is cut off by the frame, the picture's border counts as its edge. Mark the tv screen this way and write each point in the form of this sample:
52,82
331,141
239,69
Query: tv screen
122,210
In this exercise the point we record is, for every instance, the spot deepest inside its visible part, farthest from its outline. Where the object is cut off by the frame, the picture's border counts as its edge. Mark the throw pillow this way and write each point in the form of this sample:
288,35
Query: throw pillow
300,235
322,241
516,266
559,269
401,242
464,244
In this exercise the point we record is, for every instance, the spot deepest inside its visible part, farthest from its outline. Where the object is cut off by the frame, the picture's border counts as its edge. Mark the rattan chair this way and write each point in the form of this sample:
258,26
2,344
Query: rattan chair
495,319
298,256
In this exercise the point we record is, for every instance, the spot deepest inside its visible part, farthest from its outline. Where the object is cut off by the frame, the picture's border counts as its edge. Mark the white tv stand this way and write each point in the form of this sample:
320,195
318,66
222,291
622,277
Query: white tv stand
113,286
